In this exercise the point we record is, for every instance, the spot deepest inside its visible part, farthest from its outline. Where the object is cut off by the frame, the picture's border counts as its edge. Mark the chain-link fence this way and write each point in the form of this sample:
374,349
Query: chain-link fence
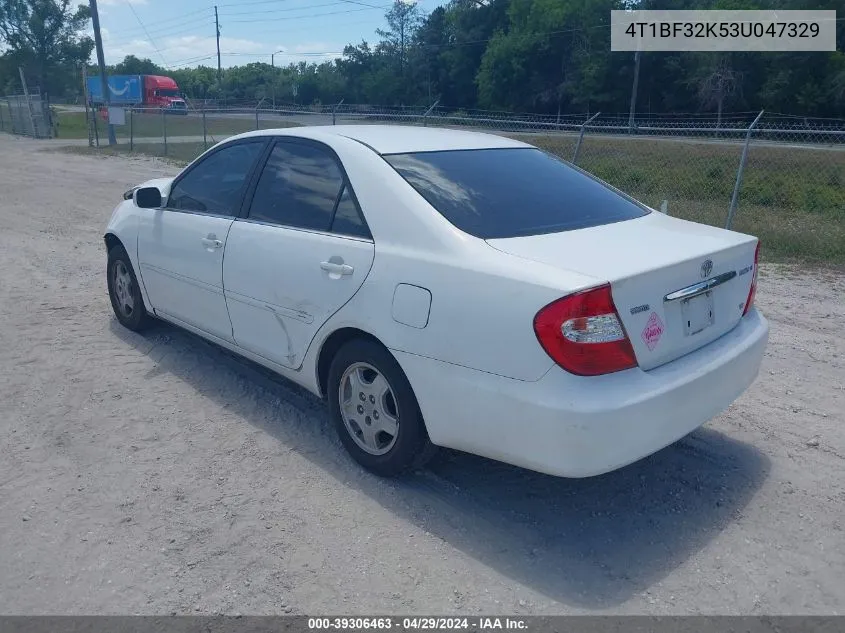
28,115
779,177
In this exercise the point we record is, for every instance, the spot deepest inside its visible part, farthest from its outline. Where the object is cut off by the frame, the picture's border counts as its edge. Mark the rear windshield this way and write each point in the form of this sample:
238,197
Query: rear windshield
497,193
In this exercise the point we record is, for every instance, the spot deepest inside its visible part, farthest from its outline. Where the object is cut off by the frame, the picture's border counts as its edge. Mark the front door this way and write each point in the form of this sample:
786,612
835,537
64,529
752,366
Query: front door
299,255
181,247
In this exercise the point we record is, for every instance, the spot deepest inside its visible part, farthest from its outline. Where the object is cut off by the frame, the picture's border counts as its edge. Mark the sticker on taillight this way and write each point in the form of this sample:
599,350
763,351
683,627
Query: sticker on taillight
653,331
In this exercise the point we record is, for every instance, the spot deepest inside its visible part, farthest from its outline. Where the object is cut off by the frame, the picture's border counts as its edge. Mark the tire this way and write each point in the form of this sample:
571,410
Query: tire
382,430
124,292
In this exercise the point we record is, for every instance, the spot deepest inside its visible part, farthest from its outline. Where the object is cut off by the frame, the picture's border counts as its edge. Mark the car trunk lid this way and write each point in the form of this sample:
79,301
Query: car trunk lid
677,285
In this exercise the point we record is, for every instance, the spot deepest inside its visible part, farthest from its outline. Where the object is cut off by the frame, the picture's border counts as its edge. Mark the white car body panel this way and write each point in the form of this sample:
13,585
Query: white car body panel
633,258
182,273
572,426
457,311
278,297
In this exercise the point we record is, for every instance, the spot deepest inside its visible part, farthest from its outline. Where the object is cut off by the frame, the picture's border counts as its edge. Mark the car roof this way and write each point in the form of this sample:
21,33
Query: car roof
399,139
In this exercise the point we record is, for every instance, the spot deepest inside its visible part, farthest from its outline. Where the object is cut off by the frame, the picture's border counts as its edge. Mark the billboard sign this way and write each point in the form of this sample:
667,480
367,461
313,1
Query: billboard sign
123,89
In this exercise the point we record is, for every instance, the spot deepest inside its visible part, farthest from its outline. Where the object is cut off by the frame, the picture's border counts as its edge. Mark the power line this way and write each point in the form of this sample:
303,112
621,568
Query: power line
313,6
241,4
166,65
175,18
298,30
308,54
192,60
178,30
187,40
364,4
301,17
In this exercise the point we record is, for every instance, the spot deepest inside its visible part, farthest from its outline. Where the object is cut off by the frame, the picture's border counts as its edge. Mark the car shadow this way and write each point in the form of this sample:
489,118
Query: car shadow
590,543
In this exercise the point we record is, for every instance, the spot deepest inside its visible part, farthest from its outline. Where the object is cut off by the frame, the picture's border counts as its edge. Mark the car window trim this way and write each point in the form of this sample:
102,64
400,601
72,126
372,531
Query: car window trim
249,195
199,161
300,229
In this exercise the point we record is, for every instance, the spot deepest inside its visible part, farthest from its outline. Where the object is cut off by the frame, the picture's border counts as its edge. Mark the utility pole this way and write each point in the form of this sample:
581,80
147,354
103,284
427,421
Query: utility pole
217,29
634,92
101,61
273,64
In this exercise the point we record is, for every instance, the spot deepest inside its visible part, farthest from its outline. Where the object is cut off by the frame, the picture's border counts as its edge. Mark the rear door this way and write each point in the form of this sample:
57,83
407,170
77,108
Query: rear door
180,247
299,254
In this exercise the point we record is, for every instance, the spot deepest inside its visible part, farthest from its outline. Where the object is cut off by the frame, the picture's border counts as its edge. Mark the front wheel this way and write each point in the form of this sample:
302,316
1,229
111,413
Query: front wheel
124,292
374,410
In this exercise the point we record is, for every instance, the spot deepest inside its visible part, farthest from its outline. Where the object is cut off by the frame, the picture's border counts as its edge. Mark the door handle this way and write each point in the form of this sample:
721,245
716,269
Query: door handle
337,269
211,243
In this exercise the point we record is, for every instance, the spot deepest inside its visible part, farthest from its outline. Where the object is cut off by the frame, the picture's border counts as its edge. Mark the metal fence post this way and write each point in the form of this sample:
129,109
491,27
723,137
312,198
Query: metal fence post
48,112
334,111
2,124
96,129
581,138
164,128
256,118
131,129
427,112
204,131
740,170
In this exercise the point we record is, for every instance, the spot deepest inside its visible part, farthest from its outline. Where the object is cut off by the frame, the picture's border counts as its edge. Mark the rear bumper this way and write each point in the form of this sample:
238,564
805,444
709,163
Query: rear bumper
574,426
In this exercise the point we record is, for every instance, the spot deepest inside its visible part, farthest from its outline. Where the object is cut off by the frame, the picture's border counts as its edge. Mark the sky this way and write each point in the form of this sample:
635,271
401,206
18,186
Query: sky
180,33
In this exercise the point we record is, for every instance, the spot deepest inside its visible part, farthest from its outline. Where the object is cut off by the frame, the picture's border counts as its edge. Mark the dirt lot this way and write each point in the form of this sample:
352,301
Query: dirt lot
158,474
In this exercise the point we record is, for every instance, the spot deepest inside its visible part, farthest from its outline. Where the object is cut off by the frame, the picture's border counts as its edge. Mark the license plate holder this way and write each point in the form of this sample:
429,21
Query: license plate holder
697,313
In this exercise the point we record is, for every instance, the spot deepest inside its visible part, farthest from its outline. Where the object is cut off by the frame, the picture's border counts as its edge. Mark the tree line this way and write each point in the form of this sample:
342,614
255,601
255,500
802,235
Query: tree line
543,56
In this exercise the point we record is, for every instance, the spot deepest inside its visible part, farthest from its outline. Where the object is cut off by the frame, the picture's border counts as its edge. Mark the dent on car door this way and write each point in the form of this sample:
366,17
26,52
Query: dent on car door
181,247
299,255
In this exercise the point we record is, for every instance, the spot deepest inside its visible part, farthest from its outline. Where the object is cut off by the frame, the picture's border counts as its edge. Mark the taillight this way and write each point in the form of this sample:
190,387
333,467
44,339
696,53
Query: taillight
753,290
583,334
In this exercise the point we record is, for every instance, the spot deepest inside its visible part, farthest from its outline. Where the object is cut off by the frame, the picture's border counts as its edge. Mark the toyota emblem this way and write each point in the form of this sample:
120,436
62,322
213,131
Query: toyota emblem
706,268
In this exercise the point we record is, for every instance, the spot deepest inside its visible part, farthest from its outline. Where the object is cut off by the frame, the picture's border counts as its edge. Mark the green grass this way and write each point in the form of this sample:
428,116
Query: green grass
792,198
72,125
180,154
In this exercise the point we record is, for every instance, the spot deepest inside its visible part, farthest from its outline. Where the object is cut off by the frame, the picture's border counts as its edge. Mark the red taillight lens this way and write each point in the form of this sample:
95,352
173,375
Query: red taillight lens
584,335
753,290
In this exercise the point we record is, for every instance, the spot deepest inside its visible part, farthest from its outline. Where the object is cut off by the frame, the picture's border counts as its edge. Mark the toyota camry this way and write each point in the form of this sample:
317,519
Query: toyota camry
447,288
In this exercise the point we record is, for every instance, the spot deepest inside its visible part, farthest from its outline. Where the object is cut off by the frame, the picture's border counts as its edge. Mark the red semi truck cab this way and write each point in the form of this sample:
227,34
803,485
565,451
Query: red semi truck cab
163,92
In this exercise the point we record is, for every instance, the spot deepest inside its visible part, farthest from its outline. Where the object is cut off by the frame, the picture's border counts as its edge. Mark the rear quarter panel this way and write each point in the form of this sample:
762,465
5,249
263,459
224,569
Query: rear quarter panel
479,318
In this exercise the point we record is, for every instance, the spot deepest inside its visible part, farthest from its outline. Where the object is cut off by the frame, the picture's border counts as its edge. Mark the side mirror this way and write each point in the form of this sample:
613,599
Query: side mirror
148,198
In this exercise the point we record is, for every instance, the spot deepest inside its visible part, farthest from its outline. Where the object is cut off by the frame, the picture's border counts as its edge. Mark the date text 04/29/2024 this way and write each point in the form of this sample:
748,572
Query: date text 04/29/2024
416,623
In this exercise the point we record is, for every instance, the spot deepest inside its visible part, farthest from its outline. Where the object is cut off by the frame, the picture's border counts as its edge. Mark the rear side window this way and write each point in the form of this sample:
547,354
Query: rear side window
299,187
500,193
347,218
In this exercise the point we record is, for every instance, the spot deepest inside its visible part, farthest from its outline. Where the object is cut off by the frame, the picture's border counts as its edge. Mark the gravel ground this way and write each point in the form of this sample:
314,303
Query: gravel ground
157,474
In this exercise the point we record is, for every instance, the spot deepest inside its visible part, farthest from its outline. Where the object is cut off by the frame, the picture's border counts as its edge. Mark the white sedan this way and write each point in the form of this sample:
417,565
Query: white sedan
446,288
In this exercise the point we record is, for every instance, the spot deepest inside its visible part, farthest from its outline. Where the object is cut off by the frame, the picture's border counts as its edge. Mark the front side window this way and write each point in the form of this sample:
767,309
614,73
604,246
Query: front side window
299,187
216,184
500,193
